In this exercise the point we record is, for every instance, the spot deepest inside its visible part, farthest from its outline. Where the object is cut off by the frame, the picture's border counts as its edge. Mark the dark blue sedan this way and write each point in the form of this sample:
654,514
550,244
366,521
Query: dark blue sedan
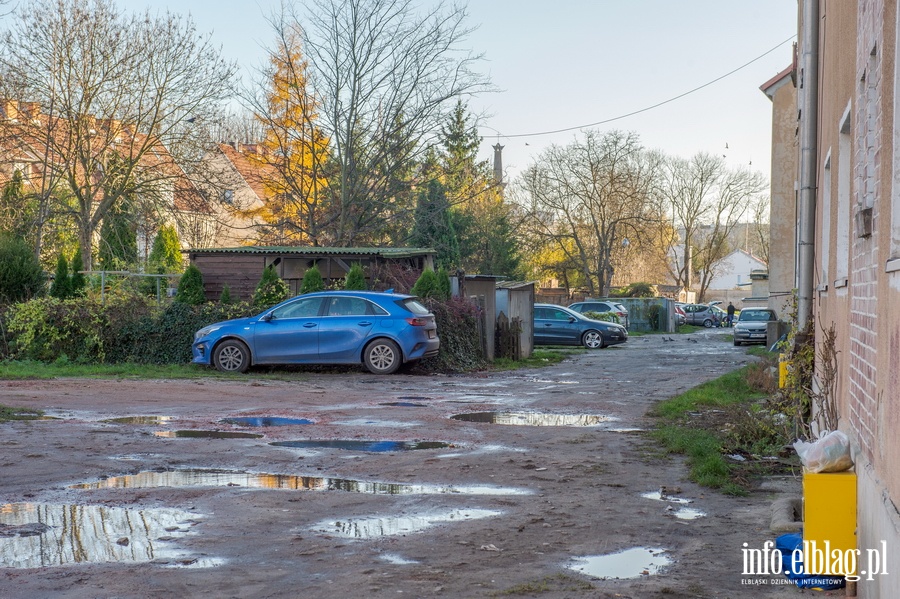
382,331
555,325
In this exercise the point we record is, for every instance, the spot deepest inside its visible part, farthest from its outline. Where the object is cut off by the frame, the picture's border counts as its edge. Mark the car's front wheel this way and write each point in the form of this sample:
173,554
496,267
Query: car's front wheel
592,339
708,323
382,356
231,356
737,343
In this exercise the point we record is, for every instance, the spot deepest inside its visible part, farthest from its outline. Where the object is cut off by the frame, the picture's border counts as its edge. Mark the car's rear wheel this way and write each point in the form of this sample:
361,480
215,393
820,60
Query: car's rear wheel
592,339
708,323
382,356
231,356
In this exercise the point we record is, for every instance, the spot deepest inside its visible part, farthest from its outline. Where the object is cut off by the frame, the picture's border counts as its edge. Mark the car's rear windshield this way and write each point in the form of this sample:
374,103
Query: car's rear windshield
756,315
413,305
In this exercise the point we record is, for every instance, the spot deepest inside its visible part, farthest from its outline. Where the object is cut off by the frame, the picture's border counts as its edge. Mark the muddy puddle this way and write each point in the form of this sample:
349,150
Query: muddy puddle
631,563
34,535
141,420
403,404
688,513
662,496
534,418
197,434
266,421
391,526
357,445
196,478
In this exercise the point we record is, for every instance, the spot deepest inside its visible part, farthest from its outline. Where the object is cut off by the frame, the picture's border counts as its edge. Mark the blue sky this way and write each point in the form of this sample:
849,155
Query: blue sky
573,62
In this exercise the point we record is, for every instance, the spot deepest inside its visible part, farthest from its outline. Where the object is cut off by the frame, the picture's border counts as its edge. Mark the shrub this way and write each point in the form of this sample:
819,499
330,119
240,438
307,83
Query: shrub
62,285
427,285
190,287
21,275
78,280
458,322
355,279
604,316
225,297
166,252
312,280
271,289
443,283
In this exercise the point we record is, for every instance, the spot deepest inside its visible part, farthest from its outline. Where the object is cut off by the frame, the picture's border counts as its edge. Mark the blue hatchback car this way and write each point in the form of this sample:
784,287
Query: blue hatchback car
382,331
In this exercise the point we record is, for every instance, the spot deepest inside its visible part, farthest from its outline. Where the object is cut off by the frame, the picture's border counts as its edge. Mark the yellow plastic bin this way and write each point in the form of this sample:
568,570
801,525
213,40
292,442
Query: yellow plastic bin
829,519
783,364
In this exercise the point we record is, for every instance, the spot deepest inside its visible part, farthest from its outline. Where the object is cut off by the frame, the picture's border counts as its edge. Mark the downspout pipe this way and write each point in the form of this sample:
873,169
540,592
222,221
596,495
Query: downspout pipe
809,117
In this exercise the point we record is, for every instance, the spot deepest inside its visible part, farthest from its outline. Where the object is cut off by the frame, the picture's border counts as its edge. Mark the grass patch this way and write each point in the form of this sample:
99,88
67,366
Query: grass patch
725,416
538,359
556,582
8,413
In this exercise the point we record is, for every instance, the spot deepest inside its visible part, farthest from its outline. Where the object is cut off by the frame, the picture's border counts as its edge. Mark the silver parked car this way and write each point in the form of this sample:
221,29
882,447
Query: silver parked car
602,306
752,324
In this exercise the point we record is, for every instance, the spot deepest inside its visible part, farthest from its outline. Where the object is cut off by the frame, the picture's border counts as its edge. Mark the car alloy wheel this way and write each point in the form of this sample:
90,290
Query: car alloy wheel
231,356
708,323
382,357
592,340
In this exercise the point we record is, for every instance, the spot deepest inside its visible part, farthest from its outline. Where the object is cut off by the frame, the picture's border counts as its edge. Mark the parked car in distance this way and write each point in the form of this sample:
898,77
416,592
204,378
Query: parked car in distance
752,324
701,315
680,316
382,331
722,314
555,325
602,306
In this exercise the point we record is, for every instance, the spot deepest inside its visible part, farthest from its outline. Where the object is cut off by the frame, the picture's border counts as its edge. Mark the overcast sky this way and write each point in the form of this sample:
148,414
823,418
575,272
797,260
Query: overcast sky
569,63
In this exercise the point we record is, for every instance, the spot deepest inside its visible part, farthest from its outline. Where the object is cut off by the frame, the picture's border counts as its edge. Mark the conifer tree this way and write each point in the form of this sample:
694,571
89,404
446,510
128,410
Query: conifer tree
271,289
433,226
190,287
312,280
78,280
62,285
426,285
355,279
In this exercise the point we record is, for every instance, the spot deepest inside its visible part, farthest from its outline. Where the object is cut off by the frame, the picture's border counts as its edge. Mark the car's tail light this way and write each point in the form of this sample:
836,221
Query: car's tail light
417,322
622,314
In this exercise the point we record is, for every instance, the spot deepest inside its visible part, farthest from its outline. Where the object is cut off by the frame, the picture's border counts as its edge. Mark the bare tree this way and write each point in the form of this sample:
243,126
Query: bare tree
117,100
706,200
384,76
589,197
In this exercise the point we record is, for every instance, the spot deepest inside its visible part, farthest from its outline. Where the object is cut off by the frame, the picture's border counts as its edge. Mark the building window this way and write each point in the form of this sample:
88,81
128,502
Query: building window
228,196
825,236
843,216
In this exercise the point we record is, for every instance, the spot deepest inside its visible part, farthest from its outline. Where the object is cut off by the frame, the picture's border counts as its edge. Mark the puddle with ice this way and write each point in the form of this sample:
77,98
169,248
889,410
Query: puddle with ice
535,418
390,526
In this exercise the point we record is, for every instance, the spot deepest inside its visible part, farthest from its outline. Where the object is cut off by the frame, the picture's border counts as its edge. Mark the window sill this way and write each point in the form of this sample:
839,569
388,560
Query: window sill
822,288
840,283
892,265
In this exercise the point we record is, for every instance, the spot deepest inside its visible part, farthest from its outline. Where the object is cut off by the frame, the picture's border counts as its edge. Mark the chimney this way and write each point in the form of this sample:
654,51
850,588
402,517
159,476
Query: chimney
498,164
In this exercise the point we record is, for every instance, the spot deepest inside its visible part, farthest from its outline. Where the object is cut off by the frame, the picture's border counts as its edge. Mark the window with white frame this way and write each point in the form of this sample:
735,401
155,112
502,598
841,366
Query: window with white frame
842,217
825,235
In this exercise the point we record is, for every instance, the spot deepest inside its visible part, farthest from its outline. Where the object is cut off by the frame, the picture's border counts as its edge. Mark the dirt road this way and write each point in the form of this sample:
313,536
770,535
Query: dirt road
520,507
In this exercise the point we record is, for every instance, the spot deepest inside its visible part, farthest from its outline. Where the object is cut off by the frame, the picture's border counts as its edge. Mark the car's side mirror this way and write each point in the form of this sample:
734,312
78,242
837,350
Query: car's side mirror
267,317
572,319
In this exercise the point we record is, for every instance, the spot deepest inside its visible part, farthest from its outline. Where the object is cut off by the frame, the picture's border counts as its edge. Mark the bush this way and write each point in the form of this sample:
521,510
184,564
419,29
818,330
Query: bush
62,285
312,280
604,316
78,280
190,287
427,285
443,283
166,252
128,327
458,322
21,275
355,279
271,290
225,297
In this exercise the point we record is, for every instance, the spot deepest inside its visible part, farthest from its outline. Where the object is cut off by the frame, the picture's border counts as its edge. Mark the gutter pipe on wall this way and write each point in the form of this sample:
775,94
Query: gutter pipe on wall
809,110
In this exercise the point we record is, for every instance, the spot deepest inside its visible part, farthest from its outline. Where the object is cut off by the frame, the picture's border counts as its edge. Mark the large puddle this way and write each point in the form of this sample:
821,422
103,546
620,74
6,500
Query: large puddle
535,418
39,535
357,445
660,496
404,404
229,478
631,563
266,421
197,434
391,526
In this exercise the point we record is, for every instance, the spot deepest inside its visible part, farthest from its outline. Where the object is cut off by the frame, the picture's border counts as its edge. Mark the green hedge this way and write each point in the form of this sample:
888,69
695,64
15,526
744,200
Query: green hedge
458,328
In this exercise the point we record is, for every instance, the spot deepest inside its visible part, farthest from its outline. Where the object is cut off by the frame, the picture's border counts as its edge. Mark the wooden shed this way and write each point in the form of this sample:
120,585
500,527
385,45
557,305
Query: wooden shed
515,299
242,267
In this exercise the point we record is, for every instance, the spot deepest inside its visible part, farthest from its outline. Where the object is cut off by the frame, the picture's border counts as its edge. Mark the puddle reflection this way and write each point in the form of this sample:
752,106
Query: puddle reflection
266,421
658,496
631,563
404,404
356,445
70,534
688,513
229,478
389,526
195,434
534,418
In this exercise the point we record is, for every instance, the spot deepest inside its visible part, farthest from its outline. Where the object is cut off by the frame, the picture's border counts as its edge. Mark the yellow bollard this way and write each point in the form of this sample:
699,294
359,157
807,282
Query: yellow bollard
783,363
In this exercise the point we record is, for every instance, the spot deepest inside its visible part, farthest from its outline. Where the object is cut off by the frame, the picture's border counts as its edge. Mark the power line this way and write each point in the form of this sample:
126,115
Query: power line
657,105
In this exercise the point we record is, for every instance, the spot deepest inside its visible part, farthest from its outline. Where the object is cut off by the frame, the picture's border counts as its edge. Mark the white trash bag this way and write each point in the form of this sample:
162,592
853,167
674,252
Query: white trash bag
830,453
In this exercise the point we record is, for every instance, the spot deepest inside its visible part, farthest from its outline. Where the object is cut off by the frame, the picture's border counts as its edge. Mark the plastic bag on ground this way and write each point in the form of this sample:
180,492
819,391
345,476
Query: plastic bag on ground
830,453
